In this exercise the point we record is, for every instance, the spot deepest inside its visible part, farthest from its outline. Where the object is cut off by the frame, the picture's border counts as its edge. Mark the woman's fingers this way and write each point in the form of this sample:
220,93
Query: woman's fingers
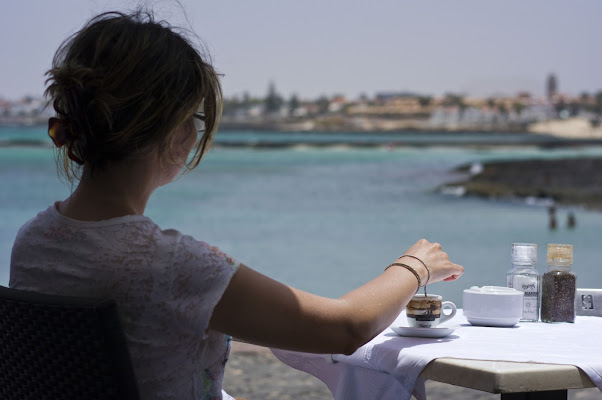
437,261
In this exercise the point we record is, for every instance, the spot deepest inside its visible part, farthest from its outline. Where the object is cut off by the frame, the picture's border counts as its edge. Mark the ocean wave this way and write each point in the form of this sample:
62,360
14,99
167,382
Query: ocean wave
457,191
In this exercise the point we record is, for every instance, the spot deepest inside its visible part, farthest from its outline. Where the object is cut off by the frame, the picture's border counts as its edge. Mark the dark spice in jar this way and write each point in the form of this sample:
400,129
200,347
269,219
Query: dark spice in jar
558,296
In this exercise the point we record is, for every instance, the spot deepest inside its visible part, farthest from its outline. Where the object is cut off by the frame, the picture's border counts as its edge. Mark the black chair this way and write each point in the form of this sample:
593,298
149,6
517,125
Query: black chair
59,347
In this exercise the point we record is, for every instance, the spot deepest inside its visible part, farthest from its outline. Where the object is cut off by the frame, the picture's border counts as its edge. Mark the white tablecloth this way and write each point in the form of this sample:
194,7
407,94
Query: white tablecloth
388,366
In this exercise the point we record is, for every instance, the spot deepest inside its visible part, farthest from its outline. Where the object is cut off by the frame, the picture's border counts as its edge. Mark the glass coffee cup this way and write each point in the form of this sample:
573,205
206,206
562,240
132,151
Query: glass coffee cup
426,311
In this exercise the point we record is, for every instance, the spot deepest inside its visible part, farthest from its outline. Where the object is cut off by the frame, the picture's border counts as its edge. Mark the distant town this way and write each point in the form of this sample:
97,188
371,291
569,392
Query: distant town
553,113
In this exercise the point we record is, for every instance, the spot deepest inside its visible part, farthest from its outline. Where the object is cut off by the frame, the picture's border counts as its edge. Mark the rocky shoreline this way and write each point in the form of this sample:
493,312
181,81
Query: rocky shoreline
569,181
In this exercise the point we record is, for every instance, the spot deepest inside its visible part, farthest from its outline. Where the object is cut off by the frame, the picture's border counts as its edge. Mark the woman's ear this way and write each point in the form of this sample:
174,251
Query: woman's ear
183,140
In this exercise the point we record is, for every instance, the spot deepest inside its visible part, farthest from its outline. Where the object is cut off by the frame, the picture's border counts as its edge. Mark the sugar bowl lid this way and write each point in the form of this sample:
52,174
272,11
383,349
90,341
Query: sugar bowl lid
494,290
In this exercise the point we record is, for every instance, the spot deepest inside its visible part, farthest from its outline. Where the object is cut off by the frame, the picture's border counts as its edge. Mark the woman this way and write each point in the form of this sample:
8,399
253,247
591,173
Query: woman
130,95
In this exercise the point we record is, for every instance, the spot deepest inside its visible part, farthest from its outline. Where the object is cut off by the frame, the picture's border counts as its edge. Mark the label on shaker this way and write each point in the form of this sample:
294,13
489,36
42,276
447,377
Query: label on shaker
528,285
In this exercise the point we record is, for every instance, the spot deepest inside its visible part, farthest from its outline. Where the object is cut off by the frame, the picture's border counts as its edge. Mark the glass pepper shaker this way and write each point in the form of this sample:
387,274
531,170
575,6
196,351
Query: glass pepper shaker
558,285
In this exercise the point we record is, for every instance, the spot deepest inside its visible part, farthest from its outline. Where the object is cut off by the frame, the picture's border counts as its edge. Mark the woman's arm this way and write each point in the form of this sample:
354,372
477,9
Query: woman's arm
263,311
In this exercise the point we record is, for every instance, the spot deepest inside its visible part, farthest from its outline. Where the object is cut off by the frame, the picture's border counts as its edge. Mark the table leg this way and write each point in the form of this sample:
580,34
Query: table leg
549,395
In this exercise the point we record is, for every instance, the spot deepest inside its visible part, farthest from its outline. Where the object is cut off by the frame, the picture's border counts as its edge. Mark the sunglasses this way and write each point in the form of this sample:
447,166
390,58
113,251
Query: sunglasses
199,122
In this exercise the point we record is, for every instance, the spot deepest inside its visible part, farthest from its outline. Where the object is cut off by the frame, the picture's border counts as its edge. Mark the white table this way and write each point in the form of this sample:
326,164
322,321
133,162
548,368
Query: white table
530,361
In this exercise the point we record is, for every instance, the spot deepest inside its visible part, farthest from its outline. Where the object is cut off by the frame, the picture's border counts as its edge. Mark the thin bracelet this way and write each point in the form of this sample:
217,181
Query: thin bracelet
412,270
428,271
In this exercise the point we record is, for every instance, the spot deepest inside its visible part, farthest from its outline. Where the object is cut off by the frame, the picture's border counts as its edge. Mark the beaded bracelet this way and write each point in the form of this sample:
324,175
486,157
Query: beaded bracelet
428,271
412,270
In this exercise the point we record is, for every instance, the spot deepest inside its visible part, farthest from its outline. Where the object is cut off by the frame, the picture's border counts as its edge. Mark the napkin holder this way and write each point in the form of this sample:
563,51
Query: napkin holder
588,302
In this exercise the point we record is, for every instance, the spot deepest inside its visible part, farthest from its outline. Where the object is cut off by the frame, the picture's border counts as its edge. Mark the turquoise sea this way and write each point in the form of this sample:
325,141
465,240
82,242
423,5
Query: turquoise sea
327,218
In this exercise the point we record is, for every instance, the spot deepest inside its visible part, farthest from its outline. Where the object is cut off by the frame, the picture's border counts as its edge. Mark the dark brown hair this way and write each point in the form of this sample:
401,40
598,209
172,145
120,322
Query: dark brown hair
123,84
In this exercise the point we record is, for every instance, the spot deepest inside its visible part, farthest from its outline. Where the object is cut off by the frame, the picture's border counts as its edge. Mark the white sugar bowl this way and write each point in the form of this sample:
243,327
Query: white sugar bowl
493,306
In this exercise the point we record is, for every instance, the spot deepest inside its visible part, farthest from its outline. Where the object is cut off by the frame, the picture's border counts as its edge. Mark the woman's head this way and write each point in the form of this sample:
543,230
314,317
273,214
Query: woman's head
122,85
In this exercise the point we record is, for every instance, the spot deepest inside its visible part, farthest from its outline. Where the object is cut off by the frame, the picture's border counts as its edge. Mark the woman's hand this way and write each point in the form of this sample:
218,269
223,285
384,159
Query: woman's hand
435,259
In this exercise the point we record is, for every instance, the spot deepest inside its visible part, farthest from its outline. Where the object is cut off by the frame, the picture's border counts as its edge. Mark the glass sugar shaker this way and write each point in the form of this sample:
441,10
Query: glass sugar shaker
523,276
558,285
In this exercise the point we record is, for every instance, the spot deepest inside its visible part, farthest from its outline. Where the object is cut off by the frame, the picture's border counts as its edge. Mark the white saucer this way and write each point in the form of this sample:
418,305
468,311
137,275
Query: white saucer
437,332
500,322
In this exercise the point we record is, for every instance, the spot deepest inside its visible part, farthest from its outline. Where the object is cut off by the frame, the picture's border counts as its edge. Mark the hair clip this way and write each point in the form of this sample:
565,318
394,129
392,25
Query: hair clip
57,131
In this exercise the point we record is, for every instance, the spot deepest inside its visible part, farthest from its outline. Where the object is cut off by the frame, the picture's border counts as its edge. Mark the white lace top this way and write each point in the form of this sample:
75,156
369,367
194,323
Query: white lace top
166,286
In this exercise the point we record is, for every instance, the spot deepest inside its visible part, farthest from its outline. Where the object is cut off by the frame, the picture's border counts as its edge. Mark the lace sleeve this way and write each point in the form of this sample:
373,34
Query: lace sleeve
200,275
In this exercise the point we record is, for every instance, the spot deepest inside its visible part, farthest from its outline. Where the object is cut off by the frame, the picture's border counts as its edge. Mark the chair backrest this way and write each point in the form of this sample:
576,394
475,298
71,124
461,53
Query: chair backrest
59,347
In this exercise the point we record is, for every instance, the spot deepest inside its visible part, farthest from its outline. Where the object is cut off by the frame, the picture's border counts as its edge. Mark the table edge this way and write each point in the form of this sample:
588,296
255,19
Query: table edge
506,376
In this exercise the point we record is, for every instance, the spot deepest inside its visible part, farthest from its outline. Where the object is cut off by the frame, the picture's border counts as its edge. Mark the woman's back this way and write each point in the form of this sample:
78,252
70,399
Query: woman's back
166,286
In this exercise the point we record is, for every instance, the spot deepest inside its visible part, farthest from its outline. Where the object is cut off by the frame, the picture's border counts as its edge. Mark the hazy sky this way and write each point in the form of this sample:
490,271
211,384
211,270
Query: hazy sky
313,47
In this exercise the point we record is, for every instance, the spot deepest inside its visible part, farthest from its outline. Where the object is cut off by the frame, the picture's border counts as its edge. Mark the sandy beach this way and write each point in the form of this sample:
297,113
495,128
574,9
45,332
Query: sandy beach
570,128
254,373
